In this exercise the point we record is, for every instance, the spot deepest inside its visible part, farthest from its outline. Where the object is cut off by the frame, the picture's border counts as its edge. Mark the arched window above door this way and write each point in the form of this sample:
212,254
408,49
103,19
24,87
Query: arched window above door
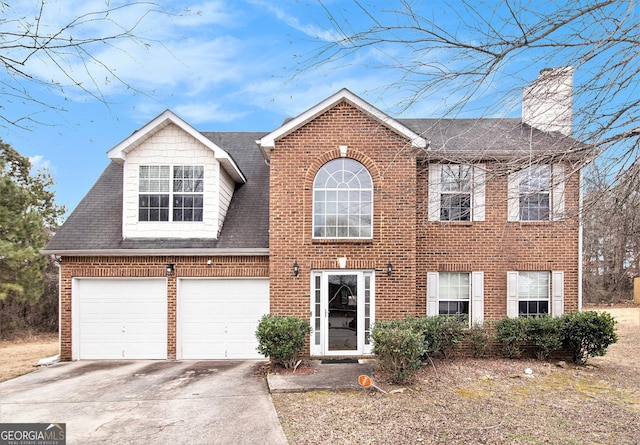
342,200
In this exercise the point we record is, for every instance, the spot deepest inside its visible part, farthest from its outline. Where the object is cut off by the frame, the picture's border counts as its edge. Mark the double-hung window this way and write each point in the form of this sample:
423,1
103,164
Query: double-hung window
169,193
188,193
535,293
343,200
456,192
536,193
456,294
154,188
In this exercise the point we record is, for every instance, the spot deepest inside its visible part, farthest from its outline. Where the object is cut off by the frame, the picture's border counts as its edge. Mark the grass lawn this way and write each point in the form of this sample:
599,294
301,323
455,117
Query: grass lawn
19,356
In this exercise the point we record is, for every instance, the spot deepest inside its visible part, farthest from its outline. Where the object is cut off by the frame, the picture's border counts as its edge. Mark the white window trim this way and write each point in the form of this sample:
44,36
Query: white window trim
171,193
476,303
556,195
477,192
556,294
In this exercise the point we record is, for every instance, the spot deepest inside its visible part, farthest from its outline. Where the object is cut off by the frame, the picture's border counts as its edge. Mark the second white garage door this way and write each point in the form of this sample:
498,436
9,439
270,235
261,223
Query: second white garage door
217,318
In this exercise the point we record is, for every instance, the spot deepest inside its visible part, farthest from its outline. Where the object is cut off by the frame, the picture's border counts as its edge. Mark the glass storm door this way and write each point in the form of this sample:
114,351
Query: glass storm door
341,312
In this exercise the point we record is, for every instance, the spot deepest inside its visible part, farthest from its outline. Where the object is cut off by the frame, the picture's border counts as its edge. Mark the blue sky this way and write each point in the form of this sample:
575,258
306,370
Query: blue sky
222,65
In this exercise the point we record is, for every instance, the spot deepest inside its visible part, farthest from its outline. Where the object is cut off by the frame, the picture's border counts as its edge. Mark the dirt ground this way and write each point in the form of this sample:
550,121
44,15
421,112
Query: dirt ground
485,401
19,356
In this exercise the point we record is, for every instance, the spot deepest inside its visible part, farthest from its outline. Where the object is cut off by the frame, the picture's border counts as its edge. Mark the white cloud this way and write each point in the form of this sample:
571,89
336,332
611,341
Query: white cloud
210,60
38,162
203,14
169,50
197,113
193,64
293,22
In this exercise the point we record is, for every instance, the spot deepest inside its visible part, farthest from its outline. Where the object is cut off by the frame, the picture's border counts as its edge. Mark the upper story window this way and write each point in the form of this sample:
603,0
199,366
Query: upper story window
343,200
187,193
536,193
170,193
456,192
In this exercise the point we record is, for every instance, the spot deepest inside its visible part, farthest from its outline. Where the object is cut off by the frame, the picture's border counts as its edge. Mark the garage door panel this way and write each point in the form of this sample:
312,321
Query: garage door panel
202,329
237,328
202,308
95,307
239,350
147,350
137,311
218,318
104,330
121,318
155,330
101,351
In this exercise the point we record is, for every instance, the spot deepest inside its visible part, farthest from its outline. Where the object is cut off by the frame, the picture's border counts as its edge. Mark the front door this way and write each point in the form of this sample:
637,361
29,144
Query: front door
341,312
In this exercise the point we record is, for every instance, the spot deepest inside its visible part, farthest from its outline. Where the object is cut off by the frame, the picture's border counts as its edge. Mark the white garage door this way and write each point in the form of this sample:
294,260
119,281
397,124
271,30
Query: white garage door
217,319
120,318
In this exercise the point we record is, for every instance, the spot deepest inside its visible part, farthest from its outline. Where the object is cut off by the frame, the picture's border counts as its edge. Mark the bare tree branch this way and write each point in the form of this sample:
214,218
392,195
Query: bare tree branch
481,55
26,41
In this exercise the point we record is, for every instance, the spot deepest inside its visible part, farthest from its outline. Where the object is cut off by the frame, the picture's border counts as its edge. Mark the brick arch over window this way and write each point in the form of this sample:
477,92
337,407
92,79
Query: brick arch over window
314,169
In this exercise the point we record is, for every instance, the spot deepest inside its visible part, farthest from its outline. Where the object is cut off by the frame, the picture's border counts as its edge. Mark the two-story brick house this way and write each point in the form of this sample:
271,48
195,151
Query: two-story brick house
343,215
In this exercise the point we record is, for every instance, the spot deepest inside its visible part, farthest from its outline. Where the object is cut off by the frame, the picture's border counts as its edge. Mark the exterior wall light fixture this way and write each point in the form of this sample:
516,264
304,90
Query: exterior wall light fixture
389,268
170,269
296,269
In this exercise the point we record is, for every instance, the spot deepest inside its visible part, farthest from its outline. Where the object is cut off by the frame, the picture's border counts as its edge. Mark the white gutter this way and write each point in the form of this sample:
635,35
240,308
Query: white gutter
163,252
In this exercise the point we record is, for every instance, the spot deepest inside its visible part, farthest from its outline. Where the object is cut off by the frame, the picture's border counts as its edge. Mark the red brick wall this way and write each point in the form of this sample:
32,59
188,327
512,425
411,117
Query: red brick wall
402,234
294,163
496,246
148,266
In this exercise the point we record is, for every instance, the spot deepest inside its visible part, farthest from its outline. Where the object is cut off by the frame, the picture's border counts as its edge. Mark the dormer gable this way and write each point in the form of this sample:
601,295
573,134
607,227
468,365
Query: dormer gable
268,142
176,182
138,137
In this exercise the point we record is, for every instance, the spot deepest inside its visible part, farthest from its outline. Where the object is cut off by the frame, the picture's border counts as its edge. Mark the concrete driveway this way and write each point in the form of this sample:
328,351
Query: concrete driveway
143,402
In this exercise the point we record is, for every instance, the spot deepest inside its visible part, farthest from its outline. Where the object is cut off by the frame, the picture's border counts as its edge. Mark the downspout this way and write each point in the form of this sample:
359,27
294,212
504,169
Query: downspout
580,204
58,260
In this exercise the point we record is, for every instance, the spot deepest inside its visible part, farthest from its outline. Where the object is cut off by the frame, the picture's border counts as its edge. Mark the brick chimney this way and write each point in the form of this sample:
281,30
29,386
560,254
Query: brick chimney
547,103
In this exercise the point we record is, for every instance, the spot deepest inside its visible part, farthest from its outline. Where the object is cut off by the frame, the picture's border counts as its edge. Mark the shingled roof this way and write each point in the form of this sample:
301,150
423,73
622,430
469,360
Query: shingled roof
95,226
492,139
96,223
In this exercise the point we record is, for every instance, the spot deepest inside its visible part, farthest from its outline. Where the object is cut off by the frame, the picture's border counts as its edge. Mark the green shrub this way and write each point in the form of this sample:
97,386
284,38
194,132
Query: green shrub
511,334
544,334
451,332
398,347
588,334
441,334
425,327
479,337
282,338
